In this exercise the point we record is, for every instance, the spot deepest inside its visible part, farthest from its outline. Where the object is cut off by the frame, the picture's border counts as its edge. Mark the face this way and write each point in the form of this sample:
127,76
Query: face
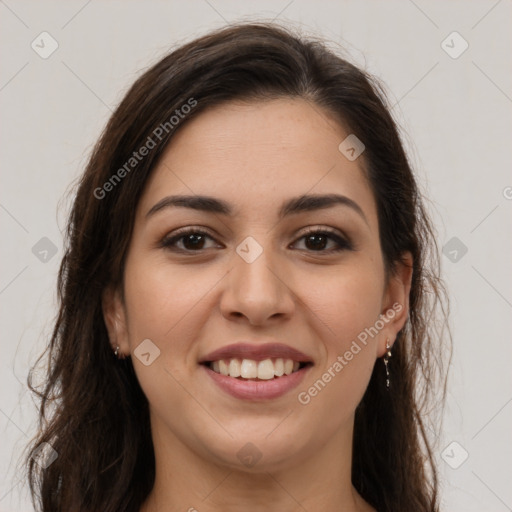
260,273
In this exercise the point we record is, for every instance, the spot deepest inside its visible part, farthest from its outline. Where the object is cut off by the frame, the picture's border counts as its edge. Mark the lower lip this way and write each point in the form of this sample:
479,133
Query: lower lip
257,389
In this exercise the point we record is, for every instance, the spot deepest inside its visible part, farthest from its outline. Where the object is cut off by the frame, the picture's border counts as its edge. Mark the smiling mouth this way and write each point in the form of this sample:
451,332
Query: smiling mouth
251,370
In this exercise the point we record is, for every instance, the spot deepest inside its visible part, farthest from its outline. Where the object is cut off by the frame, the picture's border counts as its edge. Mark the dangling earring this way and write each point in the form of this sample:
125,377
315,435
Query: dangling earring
118,353
386,362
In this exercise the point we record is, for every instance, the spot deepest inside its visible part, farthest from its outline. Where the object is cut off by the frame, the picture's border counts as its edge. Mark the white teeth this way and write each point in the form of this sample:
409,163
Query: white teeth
266,369
235,368
223,367
250,369
279,367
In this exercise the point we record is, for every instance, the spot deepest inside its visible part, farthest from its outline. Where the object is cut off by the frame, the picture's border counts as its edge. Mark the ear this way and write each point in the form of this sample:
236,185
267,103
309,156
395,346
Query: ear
114,316
396,302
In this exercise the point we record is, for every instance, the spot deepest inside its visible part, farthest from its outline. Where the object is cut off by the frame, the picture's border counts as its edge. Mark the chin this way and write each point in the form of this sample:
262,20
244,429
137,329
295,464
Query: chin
258,451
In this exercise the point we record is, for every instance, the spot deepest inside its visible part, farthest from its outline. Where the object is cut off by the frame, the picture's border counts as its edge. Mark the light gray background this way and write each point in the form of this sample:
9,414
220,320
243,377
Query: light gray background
457,115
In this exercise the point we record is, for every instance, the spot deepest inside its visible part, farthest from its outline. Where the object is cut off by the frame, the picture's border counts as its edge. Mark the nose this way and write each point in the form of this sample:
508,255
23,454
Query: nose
257,291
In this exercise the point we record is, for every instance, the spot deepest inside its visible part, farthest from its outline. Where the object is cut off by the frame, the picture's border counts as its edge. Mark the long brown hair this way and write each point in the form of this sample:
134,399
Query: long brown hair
93,412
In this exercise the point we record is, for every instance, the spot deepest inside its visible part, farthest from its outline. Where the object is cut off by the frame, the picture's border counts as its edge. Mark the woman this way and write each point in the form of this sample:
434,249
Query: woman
247,297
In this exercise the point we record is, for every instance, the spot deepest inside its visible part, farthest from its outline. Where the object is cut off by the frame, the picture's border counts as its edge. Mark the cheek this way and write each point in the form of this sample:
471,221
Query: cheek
346,302
345,305
159,297
169,306
161,303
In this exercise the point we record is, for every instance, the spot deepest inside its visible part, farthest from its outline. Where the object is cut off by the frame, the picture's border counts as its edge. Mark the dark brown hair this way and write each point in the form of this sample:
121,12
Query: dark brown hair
92,409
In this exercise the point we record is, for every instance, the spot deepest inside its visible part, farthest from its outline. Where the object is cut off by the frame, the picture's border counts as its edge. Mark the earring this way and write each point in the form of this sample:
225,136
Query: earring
118,353
386,362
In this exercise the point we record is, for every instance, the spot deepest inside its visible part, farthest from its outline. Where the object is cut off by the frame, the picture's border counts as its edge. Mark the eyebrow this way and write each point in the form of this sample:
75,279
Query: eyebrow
304,203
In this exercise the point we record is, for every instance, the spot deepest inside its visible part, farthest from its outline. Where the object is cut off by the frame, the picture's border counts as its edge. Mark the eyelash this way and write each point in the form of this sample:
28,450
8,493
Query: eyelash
343,244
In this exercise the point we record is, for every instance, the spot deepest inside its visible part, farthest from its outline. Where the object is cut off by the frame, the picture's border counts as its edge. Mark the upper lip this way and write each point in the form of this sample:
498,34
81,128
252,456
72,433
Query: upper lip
256,352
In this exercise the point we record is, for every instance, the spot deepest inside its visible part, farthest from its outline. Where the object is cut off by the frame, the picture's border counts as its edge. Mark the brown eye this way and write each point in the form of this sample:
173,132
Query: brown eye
193,241
187,241
317,241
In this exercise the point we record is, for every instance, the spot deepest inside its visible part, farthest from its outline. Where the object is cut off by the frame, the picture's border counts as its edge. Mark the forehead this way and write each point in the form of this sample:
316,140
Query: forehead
255,154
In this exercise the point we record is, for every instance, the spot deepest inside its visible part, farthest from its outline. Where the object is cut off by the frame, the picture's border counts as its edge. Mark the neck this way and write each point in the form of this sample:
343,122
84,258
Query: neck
193,483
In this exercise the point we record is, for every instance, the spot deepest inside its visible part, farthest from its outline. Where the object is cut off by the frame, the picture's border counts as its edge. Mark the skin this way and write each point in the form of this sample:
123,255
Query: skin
255,156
